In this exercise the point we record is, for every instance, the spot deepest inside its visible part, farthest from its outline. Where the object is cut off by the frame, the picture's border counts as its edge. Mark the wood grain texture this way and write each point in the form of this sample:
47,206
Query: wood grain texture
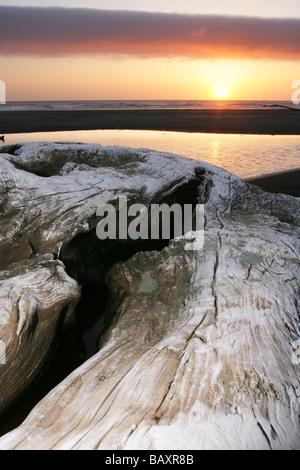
199,351
36,297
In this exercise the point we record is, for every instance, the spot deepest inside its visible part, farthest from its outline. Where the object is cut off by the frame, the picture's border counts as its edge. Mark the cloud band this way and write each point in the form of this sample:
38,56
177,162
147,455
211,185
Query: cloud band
62,32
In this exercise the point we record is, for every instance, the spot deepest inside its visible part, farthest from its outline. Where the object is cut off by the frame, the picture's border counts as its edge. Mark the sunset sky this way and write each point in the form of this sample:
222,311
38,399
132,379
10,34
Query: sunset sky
118,50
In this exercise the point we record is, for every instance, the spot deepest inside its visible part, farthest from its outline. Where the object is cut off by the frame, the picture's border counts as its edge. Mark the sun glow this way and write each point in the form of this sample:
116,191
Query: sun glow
221,92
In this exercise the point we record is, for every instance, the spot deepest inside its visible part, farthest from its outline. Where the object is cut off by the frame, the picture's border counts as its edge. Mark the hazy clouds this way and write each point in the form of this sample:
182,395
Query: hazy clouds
57,31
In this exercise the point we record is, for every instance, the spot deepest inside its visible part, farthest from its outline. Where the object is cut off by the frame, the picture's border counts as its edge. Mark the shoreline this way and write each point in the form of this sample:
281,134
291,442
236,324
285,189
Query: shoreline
245,121
219,121
284,182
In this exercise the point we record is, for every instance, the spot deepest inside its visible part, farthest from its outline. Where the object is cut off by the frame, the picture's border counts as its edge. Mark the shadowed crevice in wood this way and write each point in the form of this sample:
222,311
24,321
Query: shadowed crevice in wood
197,347
88,260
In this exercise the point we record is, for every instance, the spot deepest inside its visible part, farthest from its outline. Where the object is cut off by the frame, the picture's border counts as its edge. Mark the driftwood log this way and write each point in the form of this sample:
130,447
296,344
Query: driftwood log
200,346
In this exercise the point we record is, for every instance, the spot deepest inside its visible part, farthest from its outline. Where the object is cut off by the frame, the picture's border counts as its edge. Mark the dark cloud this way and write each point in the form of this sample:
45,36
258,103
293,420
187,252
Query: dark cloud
63,31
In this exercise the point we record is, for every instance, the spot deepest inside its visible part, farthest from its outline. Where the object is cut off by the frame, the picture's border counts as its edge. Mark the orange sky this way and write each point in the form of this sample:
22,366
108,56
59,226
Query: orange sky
146,55
103,78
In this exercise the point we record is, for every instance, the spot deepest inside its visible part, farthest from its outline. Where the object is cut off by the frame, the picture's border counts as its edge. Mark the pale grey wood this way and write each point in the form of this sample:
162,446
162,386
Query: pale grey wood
201,350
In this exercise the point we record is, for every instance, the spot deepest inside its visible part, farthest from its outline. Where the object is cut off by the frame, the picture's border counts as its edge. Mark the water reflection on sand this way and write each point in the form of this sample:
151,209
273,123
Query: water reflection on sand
243,155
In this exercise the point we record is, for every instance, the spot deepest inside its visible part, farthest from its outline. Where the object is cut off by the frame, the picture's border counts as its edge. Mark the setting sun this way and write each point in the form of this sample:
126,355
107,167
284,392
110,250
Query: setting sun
221,92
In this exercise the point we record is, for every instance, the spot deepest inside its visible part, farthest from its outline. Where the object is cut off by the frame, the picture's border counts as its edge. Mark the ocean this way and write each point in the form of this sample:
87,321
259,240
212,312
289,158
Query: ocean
141,104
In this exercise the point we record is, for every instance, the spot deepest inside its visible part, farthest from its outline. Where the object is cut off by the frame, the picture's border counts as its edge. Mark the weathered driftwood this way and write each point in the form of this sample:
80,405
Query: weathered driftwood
199,353
35,298
49,193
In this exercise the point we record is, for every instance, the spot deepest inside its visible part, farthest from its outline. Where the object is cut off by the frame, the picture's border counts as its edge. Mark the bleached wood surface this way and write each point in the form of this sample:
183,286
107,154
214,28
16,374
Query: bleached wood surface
199,353
35,298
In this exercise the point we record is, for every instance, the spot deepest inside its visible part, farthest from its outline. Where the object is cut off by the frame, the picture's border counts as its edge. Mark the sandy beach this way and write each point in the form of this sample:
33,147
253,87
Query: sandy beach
285,182
244,121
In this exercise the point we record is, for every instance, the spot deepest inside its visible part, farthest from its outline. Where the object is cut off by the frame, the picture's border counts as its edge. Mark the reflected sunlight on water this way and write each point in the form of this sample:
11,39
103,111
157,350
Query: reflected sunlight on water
243,155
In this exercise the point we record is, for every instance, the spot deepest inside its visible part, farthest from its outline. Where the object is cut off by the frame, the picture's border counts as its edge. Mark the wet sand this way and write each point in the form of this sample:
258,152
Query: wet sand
285,182
245,121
